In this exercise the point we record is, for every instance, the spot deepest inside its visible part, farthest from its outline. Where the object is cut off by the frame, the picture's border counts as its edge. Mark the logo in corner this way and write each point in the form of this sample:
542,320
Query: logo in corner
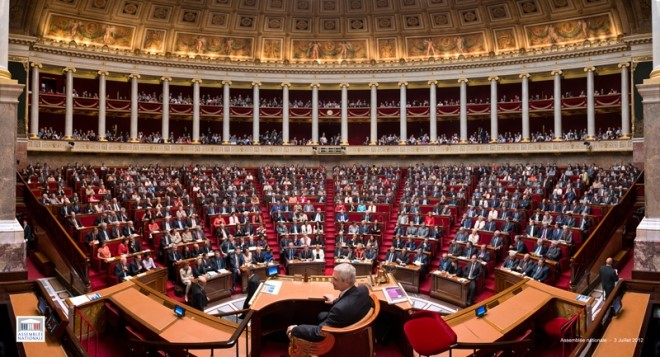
30,329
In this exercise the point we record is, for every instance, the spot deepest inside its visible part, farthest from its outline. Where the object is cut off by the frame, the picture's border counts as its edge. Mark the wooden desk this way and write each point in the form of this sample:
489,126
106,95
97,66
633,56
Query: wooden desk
361,267
26,305
312,267
260,270
151,314
504,278
449,288
218,287
299,302
623,332
407,275
155,279
511,311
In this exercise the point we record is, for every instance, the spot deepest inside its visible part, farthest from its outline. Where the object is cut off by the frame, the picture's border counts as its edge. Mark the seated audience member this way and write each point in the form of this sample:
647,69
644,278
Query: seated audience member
539,272
352,305
103,252
148,262
511,261
122,271
187,276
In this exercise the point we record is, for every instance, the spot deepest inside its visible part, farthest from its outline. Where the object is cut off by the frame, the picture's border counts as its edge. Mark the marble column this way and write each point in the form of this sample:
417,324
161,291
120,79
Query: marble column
12,246
4,40
134,107
255,112
591,108
403,115
556,74
165,122
344,113
647,242
68,111
102,104
225,111
625,100
285,113
373,132
463,111
433,111
196,107
525,106
315,113
34,101
655,40
494,131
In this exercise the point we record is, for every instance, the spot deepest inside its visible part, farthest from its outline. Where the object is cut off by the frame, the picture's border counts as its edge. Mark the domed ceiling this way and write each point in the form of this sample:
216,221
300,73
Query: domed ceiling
327,30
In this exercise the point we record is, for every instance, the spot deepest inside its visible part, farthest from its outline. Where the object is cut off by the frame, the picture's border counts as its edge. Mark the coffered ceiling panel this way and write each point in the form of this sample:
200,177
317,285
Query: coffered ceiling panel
323,30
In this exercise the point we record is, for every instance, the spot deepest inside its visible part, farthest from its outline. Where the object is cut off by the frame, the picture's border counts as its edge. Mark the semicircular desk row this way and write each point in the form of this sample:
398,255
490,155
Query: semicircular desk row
510,313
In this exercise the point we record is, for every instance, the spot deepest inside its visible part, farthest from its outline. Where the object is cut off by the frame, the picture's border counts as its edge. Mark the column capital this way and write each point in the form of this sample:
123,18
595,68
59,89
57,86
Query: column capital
590,69
226,82
36,64
493,78
69,69
256,84
285,84
344,85
373,84
524,75
134,75
463,80
103,73
196,80
432,81
555,72
624,64
165,79
402,84
314,85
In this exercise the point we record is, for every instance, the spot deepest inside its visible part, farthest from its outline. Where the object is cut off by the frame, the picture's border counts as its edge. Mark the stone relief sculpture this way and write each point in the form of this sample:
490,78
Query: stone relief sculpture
238,47
329,50
93,32
569,31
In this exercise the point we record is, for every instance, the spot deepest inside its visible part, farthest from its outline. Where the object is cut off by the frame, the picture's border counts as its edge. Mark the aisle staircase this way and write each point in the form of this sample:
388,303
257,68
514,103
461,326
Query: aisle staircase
329,227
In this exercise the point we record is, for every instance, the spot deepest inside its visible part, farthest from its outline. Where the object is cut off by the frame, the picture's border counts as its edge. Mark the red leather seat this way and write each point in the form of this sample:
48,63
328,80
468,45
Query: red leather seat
428,333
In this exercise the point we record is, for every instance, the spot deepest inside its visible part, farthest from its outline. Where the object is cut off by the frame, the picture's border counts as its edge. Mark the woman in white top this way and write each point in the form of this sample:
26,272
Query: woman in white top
306,228
148,262
186,274
474,237
318,253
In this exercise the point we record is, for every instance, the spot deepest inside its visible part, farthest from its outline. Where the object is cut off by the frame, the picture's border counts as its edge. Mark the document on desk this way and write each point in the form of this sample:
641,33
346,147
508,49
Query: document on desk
272,287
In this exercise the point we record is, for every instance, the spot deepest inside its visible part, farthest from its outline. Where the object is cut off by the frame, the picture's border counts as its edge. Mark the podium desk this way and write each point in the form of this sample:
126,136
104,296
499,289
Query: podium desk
299,302
407,275
362,267
260,270
26,305
449,288
218,287
504,278
623,333
299,267
150,312
513,311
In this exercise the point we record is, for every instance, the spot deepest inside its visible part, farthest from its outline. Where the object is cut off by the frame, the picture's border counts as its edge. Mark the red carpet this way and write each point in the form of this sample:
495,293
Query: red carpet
626,271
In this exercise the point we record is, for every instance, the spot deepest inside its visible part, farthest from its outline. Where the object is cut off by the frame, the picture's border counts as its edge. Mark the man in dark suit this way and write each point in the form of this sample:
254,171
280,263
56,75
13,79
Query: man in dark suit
518,245
253,285
510,262
540,272
524,264
352,305
122,270
539,248
236,261
554,252
199,299
445,262
608,277
391,255
472,272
